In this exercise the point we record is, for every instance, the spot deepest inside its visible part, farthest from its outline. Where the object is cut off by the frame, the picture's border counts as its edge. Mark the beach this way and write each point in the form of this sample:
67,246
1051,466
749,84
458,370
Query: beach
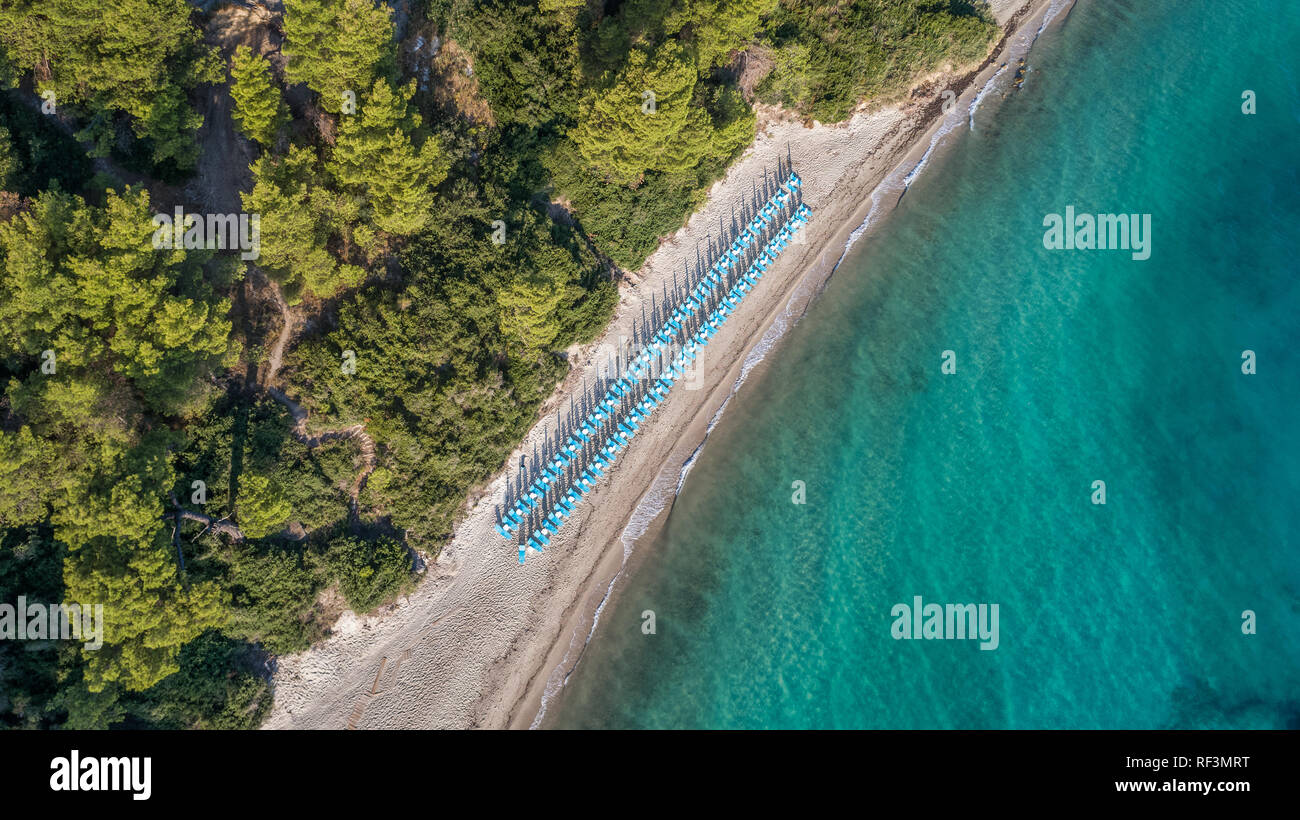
486,642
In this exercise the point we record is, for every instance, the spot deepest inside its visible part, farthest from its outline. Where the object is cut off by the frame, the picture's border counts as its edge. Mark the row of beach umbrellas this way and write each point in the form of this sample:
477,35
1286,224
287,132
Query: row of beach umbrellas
567,477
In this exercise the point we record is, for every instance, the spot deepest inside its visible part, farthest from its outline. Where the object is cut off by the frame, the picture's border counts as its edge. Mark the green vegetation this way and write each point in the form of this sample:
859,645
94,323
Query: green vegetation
259,111
104,335
84,283
301,218
274,593
370,573
263,509
447,378
451,229
130,62
830,57
34,154
377,162
647,121
336,47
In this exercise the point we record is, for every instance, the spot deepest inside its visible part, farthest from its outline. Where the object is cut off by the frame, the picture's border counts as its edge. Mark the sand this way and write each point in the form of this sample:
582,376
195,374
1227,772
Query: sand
486,642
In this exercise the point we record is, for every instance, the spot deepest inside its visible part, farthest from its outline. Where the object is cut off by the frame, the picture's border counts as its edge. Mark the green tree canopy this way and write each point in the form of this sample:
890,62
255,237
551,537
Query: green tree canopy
137,58
259,111
148,614
336,46
722,26
102,332
647,120
527,61
274,594
529,305
376,157
87,284
262,507
8,162
300,217
369,573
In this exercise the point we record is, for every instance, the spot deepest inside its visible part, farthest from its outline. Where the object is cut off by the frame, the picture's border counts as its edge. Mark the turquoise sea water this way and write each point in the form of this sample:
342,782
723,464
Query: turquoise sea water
976,487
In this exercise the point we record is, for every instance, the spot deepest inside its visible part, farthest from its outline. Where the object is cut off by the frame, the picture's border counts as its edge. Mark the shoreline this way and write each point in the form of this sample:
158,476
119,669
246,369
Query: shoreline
488,643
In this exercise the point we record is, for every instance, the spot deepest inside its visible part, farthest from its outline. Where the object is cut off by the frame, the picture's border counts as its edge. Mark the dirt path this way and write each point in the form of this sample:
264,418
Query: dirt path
267,381
288,325
224,156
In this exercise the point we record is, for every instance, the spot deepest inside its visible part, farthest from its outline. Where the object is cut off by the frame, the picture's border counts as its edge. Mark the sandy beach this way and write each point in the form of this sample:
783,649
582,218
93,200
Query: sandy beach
486,642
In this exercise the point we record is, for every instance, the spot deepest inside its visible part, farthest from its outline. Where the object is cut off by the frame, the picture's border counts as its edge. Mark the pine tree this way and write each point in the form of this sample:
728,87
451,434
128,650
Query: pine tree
299,218
8,163
89,710
259,111
528,312
133,330
375,156
560,5
721,26
646,121
133,57
529,305
262,508
148,614
87,283
26,463
336,46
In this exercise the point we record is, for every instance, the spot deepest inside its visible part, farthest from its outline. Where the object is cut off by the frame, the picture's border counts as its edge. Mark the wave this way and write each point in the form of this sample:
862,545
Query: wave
988,86
655,501
896,183
651,504
1056,8
690,462
553,685
950,124
779,327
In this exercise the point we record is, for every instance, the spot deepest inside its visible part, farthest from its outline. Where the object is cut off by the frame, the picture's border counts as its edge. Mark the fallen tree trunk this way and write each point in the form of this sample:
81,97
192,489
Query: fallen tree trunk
208,521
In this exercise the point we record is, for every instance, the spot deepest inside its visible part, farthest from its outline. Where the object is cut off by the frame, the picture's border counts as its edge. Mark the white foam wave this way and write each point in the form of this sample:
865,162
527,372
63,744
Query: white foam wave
1052,11
895,184
553,684
988,86
690,462
950,124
